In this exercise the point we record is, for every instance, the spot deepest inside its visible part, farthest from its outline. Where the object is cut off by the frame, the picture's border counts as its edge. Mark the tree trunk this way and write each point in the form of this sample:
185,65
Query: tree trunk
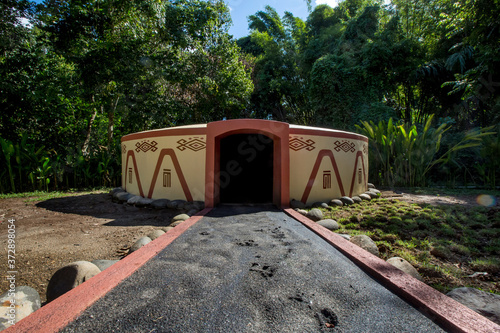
111,124
85,147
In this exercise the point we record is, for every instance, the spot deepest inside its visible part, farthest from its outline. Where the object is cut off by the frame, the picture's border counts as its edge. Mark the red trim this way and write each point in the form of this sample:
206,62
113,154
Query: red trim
174,131
443,310
131,153
275,130
170,152
358,155
60,312
322,154
327,132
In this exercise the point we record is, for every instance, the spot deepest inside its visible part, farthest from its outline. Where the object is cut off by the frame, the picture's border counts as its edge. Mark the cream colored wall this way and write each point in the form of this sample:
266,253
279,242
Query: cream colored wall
302,162
190,152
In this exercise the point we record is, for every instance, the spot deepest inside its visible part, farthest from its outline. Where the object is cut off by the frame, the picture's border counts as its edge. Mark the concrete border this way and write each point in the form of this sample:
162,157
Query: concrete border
448,313
60,312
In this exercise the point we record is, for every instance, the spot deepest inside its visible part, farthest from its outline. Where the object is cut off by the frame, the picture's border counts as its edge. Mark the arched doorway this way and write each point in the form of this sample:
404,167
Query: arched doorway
246,169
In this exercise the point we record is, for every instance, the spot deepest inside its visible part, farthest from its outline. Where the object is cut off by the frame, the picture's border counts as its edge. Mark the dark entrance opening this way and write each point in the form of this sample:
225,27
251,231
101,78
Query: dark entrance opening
246,169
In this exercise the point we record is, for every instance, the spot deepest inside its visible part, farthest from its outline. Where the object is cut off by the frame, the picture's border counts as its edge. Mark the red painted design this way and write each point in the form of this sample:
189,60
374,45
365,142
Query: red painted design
365,149
345,146
177,167
131,154
358,155
322,154
124,149
298,144
145,146
194,144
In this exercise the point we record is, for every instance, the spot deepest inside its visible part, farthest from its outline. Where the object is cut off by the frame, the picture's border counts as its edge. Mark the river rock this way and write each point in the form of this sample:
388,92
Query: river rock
116,190
370,185
366,243
372,195
356,199
177,204
345,236
160,203
329,224
139,243
192,212
123,196
347,201
365,196
26,301
133,200
405,266
336,202
199,205
69,277
484,303
297,204
143,202
180,217
166,229
155,234
302,211
104,264
315,214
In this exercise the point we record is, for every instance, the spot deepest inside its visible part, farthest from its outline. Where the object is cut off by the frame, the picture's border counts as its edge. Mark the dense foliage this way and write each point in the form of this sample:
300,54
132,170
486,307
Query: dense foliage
76,75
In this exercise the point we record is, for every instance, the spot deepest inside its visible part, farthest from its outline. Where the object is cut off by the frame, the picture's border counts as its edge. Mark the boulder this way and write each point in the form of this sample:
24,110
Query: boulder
155,234
365,196
347,201
160,203
356,199
405,266
297,204
103,264
336,202
139,243
69,277
366,243
26,301
180,217
315,214
329,224
133,200
484,303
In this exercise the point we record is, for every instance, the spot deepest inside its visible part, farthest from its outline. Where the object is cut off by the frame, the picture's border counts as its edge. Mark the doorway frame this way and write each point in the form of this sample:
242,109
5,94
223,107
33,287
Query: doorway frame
277,131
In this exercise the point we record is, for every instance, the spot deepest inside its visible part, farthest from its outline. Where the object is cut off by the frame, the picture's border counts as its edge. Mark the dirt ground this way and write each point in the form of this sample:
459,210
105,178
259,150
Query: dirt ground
54,232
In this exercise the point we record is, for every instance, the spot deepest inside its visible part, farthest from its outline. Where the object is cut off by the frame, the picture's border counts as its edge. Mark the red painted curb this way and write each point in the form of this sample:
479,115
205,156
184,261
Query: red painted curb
60,312
443,310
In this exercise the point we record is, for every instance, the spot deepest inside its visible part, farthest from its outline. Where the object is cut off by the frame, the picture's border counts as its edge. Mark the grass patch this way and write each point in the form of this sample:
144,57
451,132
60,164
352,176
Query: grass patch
41,195
445,243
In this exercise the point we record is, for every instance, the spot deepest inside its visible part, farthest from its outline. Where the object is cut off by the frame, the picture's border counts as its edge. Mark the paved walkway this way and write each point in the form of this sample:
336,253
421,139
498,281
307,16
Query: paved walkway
242,269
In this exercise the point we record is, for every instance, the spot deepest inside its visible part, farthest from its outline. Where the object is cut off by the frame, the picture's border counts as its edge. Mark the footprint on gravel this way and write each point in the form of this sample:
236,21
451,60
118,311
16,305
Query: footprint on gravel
327,318
205,233
246,243
266,271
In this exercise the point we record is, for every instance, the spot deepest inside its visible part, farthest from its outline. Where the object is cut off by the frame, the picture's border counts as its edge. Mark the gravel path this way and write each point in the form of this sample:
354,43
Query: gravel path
250,269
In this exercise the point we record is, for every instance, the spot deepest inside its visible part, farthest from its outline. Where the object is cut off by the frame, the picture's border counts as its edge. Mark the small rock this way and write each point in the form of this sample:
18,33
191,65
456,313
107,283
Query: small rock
302,211
160,203
329,224
374,190
175,224
192,212
345,236
166,229
366,243
405,266
199,205
103,264
180,217
139,243
315,214
143,202
370,185
155,234
356,199
347,201
484,303
123,196
372,195
317,204
297,204
365,196
69,277
26,301
135,199
336,202
116,190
